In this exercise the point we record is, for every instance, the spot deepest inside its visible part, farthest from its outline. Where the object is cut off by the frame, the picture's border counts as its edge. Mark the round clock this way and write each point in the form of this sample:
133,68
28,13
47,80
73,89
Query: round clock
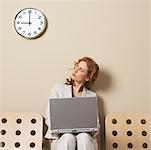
30,23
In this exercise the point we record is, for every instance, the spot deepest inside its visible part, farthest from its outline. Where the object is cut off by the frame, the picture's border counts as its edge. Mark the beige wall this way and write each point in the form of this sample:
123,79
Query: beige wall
1,77
150,54
114,33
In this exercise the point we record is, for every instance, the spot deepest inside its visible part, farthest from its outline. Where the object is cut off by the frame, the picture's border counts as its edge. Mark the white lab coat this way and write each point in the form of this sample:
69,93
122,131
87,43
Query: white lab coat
65,91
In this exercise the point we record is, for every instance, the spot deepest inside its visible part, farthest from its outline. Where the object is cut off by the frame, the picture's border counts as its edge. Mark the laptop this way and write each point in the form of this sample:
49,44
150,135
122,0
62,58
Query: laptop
73,115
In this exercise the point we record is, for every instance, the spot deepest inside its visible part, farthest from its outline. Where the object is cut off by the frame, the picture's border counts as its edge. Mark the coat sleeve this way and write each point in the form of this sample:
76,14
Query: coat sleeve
54,94
98,127
98,122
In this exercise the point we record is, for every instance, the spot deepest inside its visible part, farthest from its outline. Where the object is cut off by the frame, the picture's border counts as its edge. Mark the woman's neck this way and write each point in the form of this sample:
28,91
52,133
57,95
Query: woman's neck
77,87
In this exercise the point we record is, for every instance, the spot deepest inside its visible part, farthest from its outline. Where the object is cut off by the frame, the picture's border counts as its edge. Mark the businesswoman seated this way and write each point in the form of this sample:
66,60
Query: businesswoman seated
83,75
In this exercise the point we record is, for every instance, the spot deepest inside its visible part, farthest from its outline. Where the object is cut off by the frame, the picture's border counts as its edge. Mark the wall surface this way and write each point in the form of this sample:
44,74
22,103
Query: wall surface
149,54
114,33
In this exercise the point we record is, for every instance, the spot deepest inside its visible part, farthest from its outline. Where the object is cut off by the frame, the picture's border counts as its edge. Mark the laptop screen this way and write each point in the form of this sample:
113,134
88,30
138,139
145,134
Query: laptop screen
75,112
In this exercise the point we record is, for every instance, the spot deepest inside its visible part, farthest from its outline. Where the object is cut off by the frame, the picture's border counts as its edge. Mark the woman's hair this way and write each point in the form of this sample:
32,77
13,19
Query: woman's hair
93,70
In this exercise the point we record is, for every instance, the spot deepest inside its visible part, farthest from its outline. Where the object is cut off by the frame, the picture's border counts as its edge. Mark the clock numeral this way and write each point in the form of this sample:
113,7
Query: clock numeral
24,32
18,22
29,34
20,17
35,32
39,28
19,28
24,12
41,22
35,13
39,17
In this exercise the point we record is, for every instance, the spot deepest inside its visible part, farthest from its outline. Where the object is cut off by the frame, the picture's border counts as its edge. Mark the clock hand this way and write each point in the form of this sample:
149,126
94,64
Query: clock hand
29,17
24,22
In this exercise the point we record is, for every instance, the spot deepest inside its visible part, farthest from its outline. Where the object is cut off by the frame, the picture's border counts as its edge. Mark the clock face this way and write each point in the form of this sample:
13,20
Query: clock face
30,23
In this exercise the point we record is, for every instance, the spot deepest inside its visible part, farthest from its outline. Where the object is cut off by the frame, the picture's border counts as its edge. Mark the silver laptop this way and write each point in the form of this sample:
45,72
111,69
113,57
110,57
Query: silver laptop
73,115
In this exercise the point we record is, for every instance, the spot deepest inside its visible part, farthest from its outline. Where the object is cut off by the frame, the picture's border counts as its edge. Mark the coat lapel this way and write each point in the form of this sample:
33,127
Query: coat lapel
84,92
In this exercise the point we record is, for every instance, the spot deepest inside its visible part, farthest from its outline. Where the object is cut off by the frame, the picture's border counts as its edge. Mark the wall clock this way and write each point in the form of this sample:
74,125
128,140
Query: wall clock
30,23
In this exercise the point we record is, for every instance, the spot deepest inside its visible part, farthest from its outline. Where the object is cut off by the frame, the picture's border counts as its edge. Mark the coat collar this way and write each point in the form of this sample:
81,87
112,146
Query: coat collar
84,92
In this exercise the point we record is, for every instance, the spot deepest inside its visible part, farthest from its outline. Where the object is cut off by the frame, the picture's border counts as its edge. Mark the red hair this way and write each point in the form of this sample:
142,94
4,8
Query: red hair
93,70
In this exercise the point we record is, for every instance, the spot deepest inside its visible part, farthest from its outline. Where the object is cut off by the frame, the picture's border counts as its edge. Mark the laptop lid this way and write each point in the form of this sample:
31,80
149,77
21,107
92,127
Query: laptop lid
76,114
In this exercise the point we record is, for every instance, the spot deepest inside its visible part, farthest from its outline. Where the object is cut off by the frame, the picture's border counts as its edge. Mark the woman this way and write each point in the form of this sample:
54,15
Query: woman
83,75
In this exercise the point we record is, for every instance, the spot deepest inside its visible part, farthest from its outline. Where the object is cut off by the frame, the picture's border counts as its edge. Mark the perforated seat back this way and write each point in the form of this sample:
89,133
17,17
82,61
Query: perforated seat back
21,131
128,131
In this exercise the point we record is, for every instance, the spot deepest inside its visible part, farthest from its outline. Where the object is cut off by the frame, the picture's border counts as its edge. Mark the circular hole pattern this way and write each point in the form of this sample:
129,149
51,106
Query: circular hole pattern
33,121
32,145
114,133
143,121
128,121
17,144
144,133
4,120
33,132
18,121
129,133
3,132
2,144
144,145
114,121
115,145
18,132
130,145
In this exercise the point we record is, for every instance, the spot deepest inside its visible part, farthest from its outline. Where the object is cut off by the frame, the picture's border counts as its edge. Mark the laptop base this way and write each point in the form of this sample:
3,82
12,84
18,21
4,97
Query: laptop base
75,130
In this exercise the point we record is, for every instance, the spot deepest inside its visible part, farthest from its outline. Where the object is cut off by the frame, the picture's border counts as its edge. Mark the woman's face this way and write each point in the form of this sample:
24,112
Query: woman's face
80,72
